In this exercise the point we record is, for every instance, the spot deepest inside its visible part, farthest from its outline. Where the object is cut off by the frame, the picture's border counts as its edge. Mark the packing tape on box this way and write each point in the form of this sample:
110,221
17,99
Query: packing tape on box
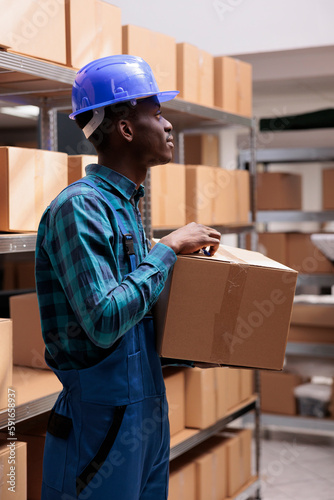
223,338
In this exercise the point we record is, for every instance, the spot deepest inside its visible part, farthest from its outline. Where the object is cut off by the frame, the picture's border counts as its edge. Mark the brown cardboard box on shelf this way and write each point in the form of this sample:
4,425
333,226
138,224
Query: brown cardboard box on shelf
277,392
32,27
225,84
168,195
279,191
234,476
312,321
225,205
244,82
92,31
158,50
13,478
221,390
201,149
242,195
328,188
305,257
201,191
246,384
76,166
182,480
200,403
206,79
28,344
233,388
6,360
232,308
31,179
187,71
245,452
273,245
175,390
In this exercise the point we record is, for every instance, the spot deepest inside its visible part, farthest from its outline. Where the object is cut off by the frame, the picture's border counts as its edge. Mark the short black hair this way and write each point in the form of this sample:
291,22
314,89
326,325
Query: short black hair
112,113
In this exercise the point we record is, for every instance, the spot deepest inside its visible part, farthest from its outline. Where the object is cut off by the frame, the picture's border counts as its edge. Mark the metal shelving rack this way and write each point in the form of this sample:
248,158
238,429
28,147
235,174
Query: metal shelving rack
48,86
300,349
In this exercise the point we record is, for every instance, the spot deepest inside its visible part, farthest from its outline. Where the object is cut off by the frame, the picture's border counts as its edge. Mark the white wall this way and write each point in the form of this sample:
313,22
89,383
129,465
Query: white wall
236,26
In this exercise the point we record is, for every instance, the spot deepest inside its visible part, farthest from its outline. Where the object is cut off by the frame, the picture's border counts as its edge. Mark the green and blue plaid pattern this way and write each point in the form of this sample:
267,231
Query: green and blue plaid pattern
87,296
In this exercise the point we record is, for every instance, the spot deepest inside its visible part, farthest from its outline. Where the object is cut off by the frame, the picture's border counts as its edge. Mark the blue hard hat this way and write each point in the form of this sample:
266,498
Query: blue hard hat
114,79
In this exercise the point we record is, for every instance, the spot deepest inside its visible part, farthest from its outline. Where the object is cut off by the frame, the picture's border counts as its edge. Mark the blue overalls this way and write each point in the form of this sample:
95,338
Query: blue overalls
108,432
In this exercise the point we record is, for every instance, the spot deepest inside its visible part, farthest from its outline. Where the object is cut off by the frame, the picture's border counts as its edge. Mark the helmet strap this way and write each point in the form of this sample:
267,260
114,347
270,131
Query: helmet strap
94,122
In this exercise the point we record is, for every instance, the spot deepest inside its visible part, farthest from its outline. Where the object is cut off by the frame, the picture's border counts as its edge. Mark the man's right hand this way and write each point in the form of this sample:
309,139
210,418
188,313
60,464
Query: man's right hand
191,238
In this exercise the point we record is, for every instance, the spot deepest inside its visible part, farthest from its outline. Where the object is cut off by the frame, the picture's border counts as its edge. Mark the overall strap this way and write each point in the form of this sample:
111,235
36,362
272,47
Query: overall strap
127,237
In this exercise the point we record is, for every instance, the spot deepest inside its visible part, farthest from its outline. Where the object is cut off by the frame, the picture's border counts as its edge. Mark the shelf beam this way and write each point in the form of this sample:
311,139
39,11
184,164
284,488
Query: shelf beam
267,216
14,243
288,155
310,349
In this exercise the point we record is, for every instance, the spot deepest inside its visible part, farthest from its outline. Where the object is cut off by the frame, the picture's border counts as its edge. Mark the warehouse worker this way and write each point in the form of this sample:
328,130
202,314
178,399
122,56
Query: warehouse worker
97,280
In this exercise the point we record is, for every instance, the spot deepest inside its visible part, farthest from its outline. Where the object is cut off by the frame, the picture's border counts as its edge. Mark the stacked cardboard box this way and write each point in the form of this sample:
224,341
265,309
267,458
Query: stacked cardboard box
76,165
295,250
277,392
312,320
201,149
168,195
31,179
158,50
216,196
175,390
6,360
93,30
279,191
28,344
328,189
233,85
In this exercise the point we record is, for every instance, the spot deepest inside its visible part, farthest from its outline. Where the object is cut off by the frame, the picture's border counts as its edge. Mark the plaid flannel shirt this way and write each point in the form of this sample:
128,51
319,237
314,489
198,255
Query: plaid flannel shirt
88,298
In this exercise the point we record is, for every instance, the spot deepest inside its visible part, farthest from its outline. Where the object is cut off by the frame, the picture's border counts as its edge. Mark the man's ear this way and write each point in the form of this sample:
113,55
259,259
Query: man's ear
125,129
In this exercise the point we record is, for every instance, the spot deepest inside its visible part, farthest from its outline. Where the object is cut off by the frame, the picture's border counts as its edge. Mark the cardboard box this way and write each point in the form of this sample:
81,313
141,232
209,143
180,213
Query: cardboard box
225,203
168,195
273,245
32,27
16,451
245,452
93,30
182,480
28,344
31,179
201,149
246,384
234,477
305,257
242,196
201,191
279,191
200,398
76,166
328,188
233,309
233,388
6,360
277,392
245,92
187,71
221,389
175,389
157,49
312,323
225,84
206,80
